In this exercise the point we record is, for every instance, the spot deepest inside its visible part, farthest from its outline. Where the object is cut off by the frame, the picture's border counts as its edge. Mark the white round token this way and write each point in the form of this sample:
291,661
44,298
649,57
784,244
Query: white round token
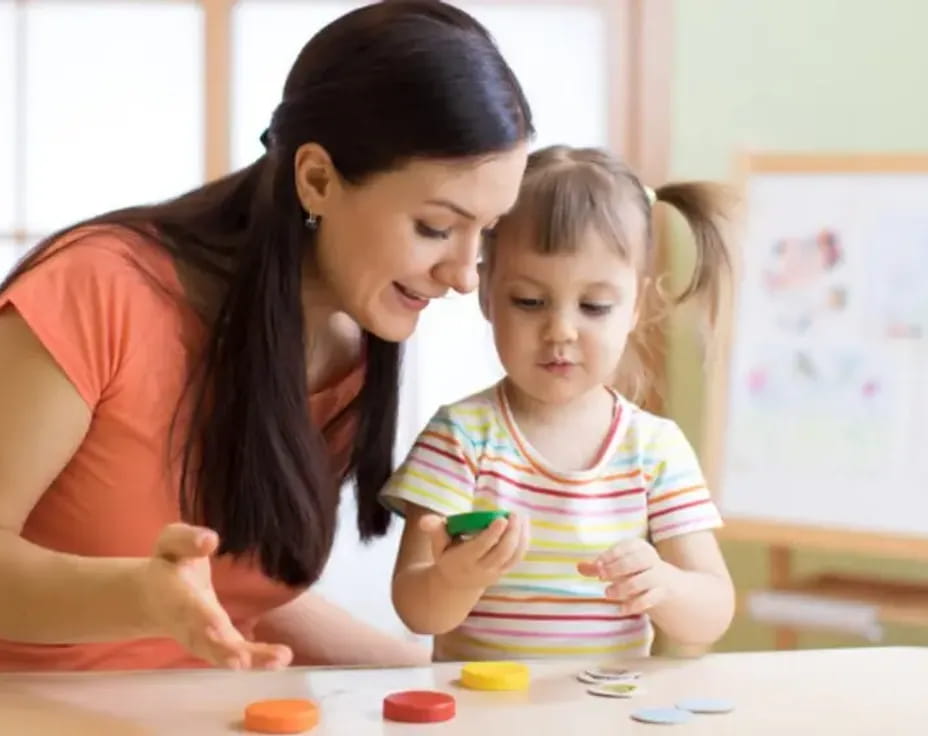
594,680
590,680
662,715
706,705
611,673
615,689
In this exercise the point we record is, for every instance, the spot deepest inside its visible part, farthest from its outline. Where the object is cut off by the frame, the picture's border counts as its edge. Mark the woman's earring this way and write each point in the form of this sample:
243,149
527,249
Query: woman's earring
311,221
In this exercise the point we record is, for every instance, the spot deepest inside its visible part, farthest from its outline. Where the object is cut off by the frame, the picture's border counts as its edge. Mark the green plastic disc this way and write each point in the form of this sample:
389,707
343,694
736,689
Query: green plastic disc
473,521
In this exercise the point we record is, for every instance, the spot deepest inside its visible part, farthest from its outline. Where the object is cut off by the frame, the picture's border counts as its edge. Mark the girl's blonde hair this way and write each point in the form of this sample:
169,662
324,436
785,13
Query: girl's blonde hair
566,191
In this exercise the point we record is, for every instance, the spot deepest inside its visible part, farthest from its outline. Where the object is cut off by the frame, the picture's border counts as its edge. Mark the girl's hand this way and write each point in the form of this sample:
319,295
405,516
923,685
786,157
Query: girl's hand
639,579
480,561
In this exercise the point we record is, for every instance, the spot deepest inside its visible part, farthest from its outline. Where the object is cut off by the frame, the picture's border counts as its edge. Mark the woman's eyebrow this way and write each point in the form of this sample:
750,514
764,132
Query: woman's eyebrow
453,207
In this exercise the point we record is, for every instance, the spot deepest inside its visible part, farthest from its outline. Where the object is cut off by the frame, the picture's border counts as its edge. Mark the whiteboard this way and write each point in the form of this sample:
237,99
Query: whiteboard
827,378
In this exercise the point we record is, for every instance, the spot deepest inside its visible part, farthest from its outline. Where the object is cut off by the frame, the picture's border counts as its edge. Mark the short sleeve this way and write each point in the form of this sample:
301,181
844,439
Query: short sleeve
678,500
439,472
81,301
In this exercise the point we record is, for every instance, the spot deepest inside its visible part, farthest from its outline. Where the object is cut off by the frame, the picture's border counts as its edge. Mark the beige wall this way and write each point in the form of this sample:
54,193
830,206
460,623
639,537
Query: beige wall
790,75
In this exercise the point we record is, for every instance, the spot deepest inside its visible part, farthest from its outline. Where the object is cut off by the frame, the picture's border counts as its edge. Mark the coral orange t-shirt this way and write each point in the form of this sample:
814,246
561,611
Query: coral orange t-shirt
107,309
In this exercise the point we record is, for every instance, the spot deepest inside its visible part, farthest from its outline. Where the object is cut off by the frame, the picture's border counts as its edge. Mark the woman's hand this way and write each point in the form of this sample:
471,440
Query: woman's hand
179,598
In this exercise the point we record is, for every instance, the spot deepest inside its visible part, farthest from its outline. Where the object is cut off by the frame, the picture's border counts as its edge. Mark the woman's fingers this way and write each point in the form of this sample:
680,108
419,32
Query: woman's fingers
269,656
179,541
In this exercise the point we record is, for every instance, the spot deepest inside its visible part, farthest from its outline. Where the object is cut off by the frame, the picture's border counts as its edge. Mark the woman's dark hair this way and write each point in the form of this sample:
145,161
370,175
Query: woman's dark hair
378,87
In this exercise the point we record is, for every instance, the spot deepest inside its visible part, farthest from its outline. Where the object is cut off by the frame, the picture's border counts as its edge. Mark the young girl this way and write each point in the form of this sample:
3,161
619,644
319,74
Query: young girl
610,519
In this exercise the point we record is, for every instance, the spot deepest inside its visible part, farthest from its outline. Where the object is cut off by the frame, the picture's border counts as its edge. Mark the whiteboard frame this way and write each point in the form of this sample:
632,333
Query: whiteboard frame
717,388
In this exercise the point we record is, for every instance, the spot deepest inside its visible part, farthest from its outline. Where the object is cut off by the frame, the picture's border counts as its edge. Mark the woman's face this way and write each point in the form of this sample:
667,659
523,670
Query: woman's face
387,247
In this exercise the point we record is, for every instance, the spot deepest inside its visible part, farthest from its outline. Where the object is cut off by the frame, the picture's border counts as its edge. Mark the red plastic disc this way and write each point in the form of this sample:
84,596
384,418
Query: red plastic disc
418,706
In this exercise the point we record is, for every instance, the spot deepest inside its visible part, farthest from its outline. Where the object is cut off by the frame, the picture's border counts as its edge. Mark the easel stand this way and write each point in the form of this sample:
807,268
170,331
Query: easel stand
896,602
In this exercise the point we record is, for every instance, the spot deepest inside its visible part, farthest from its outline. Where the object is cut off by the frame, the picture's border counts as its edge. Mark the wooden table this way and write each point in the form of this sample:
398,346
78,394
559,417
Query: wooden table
841,691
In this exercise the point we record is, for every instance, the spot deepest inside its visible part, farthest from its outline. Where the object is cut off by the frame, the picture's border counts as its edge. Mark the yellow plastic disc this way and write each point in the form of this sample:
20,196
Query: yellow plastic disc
494,676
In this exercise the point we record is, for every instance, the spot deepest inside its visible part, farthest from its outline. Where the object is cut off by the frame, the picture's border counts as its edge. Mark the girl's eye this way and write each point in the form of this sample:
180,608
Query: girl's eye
596,309
430,232
524,303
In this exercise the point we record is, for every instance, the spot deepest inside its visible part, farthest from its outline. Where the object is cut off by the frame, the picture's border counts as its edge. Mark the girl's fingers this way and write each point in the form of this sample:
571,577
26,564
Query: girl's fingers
508,541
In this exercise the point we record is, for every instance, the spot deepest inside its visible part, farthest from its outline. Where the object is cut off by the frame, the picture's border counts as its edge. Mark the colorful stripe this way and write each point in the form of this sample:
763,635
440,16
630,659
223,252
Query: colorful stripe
534,650
541,617
512,500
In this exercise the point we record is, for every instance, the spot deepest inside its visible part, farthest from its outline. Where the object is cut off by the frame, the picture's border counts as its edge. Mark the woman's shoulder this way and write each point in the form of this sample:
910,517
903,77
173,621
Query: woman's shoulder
95,297
104,268
111,249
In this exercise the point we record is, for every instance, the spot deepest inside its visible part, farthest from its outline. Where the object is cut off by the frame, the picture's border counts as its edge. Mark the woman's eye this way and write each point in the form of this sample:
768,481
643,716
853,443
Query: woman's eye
431,232
525,303
596,309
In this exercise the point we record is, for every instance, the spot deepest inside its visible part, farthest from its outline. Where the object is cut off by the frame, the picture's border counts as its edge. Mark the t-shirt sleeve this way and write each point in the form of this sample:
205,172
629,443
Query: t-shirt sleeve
78,301
439,472
678,500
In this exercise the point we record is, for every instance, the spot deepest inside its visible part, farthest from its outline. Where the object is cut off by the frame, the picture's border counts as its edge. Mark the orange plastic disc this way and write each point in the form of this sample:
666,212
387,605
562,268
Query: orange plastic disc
281,716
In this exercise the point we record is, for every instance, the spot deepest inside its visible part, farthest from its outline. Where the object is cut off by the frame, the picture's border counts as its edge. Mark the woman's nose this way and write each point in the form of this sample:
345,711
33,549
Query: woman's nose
459,270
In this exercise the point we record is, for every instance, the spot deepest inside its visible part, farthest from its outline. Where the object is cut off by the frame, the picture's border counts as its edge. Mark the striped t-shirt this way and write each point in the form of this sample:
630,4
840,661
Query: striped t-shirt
647,483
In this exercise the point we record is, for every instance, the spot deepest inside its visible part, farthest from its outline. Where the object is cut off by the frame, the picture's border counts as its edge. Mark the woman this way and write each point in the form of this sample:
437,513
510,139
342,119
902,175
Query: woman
228,358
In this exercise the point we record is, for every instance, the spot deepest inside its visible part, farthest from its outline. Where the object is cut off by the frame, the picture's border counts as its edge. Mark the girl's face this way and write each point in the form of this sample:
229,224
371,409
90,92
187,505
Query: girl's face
560,321
388,246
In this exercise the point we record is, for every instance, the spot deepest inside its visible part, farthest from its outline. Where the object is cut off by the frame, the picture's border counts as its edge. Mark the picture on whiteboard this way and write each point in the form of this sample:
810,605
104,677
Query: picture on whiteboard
804,279
800,363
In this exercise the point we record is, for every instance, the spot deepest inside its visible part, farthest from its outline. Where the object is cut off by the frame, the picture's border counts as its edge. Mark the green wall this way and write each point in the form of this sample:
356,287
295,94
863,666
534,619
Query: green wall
789,75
